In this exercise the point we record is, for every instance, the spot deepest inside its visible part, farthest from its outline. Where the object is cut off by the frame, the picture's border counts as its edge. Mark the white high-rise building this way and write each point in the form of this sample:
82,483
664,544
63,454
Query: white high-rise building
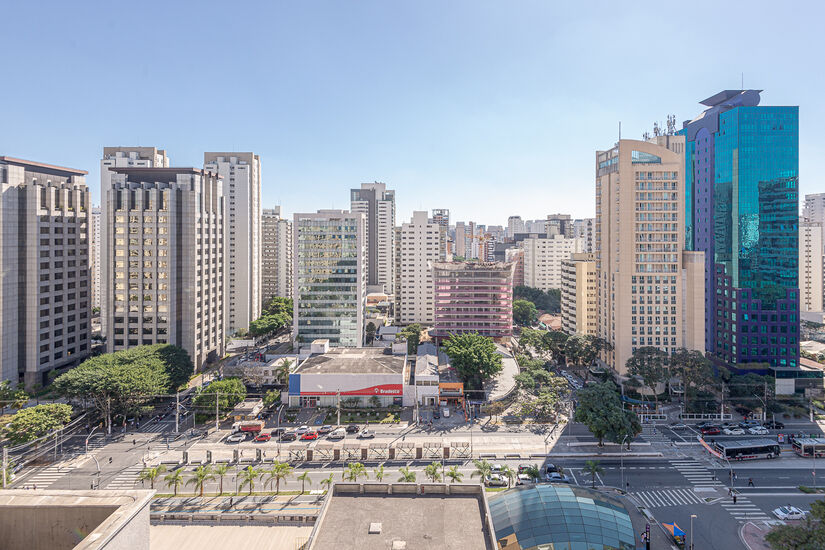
460,240
585,229
165,256
810,266
330,280
420,246
241,173
441,216
543,257
45,288
276,257
814,208
95,257
378,206
514,225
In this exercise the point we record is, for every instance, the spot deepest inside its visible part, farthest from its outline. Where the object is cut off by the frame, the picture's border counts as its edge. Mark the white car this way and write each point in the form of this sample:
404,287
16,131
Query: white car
234,438
366,434
302,430
789,512
758,430
495,468
524,479
496,480
733,431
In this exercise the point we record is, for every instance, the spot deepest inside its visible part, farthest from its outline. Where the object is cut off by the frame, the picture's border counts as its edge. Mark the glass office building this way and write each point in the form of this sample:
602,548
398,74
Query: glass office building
742,208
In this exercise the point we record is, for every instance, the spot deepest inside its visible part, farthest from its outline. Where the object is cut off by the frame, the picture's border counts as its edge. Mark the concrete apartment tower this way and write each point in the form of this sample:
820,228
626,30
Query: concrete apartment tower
810,267
543,257
460,240
95,257
378,206
164,233
330,277
45,302
579,302
276,257
420,245
558,224
514,225
650,291
241,174
585,229
120,157
441,216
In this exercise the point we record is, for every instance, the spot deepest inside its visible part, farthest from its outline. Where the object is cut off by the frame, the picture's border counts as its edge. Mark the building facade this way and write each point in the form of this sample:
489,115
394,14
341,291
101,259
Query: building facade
644,276
419,246
473,297
241,174
95,257
330,277
378,206
810,266
460,240
45,303
585,229
165,233
559,224
276,256
742,210
514,225
543,257
579,302
441,216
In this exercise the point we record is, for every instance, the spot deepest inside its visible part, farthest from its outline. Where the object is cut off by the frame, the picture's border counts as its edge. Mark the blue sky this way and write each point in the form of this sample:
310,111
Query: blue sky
486,108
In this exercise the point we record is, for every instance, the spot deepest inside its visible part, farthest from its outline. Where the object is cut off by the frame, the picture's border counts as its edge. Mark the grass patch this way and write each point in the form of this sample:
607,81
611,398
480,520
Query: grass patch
495,489
231,494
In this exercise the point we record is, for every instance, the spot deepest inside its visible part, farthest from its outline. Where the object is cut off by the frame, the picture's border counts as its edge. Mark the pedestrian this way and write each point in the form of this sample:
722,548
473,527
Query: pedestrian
734,499
230,502
92,485
134,442
750,482
734,476
34,486
730,492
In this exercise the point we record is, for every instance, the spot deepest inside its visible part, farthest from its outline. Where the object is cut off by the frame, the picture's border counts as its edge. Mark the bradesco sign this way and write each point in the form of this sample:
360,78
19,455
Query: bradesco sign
382,389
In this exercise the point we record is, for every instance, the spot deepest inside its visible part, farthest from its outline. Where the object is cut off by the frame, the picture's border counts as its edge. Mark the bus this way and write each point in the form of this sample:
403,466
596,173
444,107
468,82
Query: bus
809,446
746,449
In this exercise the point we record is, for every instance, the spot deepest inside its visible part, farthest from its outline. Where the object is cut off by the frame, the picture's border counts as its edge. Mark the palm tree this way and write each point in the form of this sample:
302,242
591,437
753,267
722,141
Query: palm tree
592,467
279,471
509,473
379,473
354,471
304,478
151,474
221,470
483,469
533,472
201,475
282,371
174,479
432,471
327,482
454,475
407,475
248,477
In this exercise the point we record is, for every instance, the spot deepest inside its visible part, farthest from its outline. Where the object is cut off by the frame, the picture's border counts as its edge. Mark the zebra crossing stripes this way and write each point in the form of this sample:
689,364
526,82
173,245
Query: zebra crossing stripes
126,479
744,509
668,497
651,434
696,474
42,479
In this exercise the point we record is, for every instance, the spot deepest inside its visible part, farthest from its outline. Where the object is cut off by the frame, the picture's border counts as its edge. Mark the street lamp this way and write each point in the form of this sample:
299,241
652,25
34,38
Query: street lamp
690,547
89,436
622,461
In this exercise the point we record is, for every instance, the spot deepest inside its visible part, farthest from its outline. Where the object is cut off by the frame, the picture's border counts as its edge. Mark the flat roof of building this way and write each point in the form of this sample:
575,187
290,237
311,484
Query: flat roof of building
48,168
353,361
473,266
219,537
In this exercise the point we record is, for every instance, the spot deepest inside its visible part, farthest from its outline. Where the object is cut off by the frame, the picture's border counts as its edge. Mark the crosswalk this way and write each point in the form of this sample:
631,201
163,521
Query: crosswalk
654,435
125,479
154,427
43,478
744,509
668,497
697,474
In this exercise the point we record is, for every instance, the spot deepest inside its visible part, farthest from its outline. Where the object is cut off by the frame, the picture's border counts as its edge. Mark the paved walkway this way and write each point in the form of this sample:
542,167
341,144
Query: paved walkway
754,536
504,382
278,505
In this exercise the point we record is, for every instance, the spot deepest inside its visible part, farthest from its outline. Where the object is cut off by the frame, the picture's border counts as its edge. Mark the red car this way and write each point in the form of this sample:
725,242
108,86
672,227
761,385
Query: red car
310,435
263,437
711,430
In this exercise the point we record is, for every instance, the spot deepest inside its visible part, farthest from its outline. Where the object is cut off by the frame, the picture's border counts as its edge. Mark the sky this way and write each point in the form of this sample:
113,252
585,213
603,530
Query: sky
487,108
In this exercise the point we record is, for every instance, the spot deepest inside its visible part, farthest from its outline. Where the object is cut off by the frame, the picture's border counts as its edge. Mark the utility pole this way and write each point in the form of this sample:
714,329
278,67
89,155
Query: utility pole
177,412
765,409
722,403
217,398
5,466
338,394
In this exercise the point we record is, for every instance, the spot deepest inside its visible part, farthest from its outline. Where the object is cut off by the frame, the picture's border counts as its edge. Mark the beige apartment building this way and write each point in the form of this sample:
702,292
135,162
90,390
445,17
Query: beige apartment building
419,246
276,256
45,298
165,237
579,303
650,290
377,203
810,266
241,175
543,257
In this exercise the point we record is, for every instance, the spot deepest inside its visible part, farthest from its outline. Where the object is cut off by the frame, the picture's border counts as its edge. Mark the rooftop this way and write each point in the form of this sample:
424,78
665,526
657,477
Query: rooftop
43,168
473,266
353,361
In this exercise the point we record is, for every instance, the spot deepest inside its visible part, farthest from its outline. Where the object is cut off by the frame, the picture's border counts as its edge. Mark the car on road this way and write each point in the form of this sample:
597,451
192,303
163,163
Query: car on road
733,431
236,438
524,479
495,480
522,468
758,430
309,436
555,477
549,468
338,433
288,436
325,429
353,429
263,437
711,430
789,512
773,425
366,434
745,424
678,426
302,430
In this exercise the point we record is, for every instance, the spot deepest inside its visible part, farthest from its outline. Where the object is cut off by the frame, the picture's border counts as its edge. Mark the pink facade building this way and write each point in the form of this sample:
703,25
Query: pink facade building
473,297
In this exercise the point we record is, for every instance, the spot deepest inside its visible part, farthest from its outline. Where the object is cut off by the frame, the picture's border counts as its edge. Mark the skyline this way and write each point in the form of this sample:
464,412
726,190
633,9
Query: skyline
449,105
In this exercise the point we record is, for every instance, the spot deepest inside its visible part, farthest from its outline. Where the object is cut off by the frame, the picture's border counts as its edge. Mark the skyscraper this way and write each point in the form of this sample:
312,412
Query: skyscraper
330,281
378,206
241,173
276,256
460,240
514,225
441,216
742,210
45,297
420,246
543,257
164,229
810,267
578,295
95,257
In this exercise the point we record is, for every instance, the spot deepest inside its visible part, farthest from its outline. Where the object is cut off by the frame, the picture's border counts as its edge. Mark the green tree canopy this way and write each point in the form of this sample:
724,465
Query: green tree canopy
548,301
600,409
370,332
810,535
524,313
272,397
473,356
531,340
12,397
229,392
652,365
33,422
412,333
555,342
694,369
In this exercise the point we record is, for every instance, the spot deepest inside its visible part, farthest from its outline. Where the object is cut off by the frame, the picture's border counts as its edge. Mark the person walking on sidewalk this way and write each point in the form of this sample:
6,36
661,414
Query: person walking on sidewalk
750,482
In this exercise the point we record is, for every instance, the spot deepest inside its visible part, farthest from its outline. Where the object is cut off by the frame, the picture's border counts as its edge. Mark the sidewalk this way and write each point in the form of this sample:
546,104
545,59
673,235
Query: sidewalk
754,536
243,504
658,538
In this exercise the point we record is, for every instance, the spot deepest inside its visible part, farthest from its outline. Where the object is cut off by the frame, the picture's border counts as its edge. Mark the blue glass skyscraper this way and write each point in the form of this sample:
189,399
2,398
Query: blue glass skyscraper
742,208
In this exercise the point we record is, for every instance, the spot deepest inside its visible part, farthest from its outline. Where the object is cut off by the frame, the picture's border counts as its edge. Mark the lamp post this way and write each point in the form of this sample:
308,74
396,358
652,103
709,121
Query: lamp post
87,438
690,547
622,462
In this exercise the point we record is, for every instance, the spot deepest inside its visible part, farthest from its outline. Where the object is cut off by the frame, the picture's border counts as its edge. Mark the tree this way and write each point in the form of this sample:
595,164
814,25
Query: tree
327,482
282,370
248,477
34,422
508,473
549,301
433,471
593,468
531,338
229,392
271,397
554,342
151,474
483,469
412,333
279,471
304,478
370,332
174,479
278,306
546,405
407,475
533,472
808,536
473,356
379,473
354,470
200,476
525,313
496,408
276,315
651,365
375,401
221,470
694,370
600,409
454,475
11,397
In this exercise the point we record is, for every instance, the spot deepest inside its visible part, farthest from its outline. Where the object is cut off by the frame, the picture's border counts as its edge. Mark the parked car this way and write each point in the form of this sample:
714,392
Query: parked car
495,468
353,429
277,431
309,436
263,437
302,430
711,430
289,436
325,429
236,438
774,425
524,467
338,433
549,468
436,414
555,477
524,479
745,424
733,431
758,430
789,512
366,434
678,426
495,480
705,424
